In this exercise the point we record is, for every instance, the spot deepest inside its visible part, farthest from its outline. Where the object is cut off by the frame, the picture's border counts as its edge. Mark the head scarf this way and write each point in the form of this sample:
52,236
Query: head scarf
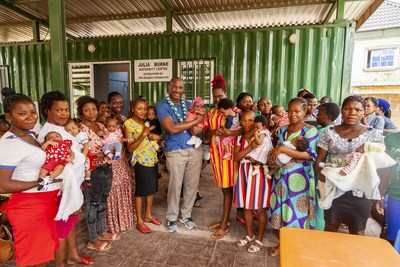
383,104
198,99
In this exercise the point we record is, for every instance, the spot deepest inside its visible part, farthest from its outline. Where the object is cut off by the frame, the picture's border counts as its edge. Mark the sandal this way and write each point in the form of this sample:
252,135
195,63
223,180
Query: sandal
144,229
102,247
255,247
241,220
244,241
112,237
154,221
217,225
275,251
85,260
220,233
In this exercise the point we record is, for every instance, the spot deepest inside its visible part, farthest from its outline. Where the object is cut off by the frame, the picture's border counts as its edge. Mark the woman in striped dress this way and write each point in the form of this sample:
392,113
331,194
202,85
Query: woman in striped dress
223,169
251,190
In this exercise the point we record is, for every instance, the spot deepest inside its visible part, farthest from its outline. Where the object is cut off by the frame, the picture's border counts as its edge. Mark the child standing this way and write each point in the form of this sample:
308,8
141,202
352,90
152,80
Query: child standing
251,192
72,128
144,161
262,137
58,154
103,108
232,122
194,110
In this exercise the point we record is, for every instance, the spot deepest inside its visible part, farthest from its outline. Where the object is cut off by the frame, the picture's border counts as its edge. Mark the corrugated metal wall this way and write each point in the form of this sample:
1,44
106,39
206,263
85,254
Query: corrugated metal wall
262,62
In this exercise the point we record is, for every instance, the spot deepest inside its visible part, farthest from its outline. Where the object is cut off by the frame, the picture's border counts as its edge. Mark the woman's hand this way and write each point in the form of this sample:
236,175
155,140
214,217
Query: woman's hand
379,207
275,152
146,131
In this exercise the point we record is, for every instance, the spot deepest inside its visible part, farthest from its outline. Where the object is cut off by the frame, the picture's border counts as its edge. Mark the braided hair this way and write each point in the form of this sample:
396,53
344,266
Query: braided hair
12,100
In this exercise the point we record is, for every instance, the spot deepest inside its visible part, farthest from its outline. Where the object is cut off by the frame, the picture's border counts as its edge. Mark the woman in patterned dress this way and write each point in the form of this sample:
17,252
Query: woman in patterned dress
292,200
120,206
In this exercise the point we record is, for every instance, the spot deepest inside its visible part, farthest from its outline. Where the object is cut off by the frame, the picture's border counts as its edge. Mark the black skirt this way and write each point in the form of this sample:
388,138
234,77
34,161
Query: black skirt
146,180
350,210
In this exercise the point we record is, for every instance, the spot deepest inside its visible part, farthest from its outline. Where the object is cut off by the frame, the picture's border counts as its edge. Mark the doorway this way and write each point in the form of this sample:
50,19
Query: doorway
98,79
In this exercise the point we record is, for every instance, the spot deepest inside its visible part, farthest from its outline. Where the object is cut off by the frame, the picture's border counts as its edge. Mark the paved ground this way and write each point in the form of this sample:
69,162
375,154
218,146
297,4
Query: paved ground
187,247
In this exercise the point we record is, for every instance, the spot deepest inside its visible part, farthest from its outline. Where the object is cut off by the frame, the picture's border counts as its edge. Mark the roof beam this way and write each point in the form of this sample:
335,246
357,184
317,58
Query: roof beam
23,1
371,9
244,7
116,17
330,13
28,15
175,16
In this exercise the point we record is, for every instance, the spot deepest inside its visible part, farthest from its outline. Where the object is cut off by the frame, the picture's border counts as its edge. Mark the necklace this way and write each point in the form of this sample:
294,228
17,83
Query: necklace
175,110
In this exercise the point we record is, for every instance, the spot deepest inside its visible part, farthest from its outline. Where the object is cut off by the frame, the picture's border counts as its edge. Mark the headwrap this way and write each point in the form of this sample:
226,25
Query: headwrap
383,104
198,99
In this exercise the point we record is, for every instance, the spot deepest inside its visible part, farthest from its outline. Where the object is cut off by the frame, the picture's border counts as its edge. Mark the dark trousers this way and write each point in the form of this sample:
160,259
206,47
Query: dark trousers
95,198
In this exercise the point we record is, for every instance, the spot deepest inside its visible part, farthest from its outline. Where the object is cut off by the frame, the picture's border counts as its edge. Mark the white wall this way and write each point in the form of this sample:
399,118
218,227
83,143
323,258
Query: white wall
372,40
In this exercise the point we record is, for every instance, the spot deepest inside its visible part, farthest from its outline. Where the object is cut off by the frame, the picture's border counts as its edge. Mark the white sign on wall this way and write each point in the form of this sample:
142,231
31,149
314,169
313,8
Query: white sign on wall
153,70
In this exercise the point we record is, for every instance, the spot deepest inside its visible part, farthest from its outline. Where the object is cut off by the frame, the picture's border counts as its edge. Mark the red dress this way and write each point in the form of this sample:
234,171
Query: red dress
57,155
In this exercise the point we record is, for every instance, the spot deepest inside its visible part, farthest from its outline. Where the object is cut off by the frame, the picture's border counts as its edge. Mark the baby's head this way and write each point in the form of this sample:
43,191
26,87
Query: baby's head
301,143
260,122
53,136
103,108
327,113
71,127
198,104
278,110
225,106
112,124
151,112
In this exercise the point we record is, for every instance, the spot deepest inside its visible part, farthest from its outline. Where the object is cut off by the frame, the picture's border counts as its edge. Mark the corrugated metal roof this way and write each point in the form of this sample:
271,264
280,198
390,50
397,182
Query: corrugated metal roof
387,15
353,10
102,18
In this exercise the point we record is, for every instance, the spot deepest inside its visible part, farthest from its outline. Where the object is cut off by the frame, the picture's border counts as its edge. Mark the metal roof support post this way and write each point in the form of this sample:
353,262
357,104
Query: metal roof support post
35,31
340,10
58,45
168,19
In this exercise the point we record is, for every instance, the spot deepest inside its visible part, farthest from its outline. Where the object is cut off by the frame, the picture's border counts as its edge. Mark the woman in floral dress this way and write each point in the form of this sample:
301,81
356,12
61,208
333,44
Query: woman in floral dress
120,205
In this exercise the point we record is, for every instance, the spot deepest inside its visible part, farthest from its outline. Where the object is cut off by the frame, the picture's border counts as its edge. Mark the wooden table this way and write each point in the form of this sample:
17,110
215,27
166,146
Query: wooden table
308,248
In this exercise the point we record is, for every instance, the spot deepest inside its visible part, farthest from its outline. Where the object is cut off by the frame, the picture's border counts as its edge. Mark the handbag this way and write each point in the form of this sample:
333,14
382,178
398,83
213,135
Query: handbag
6,244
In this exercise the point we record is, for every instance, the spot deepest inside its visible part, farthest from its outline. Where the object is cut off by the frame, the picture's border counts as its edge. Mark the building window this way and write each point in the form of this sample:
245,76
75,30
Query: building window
382,58
197,75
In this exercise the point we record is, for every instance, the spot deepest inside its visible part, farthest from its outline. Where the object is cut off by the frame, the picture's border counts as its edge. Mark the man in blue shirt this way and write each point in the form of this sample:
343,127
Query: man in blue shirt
183,161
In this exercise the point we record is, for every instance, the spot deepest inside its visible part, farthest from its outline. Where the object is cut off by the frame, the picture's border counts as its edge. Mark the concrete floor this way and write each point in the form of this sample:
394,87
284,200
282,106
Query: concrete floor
187,247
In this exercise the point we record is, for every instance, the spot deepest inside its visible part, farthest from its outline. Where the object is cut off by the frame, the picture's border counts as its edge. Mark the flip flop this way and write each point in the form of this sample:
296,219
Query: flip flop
275,251
219,234
144,229
102,247
241,220
154,221
215,225
113,237
85,260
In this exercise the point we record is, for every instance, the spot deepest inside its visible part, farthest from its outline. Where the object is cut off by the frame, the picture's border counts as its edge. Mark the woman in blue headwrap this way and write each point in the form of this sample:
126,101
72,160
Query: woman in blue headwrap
383,110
